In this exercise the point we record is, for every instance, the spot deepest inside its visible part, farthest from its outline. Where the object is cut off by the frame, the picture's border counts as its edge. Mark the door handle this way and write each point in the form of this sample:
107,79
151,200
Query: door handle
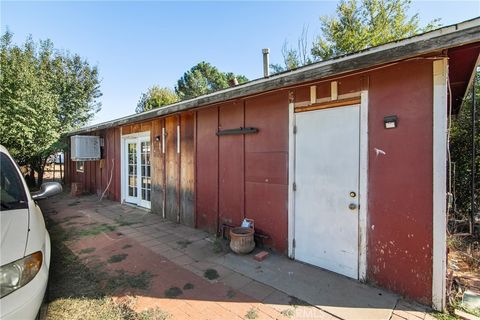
352,206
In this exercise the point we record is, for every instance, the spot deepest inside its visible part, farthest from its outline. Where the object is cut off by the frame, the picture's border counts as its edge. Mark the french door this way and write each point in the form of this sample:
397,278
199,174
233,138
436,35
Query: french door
137,171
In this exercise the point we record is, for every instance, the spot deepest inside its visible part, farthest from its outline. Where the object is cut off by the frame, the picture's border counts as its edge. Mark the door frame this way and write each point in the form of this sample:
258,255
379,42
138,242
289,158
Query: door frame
139,136
363,184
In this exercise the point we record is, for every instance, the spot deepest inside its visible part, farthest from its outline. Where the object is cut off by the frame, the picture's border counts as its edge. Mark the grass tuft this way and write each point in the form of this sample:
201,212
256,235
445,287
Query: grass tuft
288,313
95,230
87,250
218,245
122,221
252,313
123,279
74,203
173,292
188,286
184,243
231,294
117,258
211,274
152,314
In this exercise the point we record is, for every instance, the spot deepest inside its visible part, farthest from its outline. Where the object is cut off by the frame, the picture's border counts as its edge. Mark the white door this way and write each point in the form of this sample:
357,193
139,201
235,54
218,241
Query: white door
138,171
327,183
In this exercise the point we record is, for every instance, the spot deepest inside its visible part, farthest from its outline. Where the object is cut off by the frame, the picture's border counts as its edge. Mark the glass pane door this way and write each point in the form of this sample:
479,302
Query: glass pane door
146,183
138,184
132,169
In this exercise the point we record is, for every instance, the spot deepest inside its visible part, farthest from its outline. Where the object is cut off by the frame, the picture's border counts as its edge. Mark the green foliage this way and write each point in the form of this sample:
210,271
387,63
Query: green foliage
117,258
44,94
202,79
28,122
461,155
252,313
361,25
156,97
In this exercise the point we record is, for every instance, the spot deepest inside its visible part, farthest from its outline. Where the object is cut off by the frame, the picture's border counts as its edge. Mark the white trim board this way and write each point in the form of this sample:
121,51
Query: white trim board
363,187
291,179
440,71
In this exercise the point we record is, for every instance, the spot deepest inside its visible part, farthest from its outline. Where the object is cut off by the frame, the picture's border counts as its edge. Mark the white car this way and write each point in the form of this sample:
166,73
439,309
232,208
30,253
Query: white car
24,243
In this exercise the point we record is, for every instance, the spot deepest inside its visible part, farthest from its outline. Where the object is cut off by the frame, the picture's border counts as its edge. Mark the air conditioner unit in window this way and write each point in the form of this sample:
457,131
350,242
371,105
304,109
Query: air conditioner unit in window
85,148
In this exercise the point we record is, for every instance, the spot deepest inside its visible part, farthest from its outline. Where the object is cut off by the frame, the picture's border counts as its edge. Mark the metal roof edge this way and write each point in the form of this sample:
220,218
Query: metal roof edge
442,38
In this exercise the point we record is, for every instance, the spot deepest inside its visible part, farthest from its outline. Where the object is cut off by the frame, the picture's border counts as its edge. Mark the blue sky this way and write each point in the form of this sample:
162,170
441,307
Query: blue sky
139,44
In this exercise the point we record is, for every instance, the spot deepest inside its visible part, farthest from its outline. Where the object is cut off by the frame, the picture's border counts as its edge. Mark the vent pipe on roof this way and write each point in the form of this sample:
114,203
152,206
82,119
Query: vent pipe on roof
233,82
266,63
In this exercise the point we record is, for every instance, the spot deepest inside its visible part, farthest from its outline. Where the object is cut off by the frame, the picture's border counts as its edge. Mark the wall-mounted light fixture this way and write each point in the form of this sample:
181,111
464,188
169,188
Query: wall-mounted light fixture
390,122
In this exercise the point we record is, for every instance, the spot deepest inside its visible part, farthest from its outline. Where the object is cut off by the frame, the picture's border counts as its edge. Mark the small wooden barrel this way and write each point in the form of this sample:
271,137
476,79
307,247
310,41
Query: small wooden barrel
241,240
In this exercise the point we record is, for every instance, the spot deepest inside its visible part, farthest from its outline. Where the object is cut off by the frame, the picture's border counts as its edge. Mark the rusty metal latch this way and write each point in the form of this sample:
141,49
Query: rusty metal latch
352,206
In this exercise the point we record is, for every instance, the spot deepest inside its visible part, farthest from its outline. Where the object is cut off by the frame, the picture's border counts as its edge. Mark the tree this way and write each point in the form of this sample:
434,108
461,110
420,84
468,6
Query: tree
204,78
156,97
43,95
294,57
461,155
370,23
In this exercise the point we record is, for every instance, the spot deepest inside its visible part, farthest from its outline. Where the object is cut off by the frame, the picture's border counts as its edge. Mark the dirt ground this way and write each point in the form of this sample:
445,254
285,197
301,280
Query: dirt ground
99,270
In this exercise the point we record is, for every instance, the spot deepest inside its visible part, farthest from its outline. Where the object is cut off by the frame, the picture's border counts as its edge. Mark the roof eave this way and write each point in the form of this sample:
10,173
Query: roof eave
444,38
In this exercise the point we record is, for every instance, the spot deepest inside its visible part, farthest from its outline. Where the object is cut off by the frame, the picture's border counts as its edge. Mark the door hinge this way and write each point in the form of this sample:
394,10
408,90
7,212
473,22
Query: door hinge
294,243
294,186
295,129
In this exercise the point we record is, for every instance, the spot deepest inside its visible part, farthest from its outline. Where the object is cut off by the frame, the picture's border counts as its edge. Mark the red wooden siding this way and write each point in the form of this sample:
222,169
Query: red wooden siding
231,165
187,165
97,174
266,167
207,169
172,169
157,168
400,182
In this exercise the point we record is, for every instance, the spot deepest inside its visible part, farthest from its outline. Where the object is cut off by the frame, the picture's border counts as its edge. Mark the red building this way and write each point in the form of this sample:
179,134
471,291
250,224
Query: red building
342,163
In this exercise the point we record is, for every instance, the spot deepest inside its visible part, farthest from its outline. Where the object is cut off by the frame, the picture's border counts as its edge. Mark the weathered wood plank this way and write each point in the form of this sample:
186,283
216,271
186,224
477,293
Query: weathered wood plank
187,177
158,168
171,169
207,178
329,104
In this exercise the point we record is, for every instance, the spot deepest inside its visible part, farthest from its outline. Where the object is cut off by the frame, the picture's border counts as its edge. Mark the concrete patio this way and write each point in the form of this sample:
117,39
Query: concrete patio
278,288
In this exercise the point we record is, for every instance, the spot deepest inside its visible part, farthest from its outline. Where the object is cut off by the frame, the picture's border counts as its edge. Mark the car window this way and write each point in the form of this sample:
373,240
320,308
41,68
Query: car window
12,192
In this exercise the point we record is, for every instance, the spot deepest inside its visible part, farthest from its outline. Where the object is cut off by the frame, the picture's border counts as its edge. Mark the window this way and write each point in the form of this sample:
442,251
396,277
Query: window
12,192
79,166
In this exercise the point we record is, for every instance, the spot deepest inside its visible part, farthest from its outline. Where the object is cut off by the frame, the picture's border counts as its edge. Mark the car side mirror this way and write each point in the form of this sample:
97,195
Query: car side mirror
47,190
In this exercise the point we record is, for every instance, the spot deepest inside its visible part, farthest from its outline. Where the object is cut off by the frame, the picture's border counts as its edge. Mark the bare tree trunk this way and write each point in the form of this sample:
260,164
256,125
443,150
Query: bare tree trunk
41,171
